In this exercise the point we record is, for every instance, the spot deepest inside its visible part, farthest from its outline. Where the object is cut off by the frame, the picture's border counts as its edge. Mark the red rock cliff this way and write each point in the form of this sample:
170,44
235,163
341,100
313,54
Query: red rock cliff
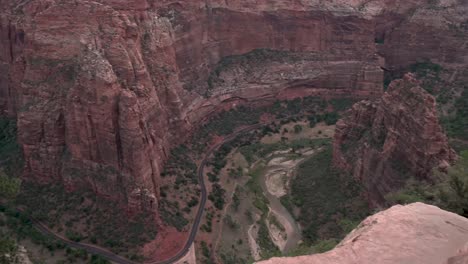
102,89
385,142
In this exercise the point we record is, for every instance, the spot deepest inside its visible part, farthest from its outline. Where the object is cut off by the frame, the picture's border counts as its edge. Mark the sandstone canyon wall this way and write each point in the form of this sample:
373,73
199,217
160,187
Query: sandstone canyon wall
102,89
387,141
416,233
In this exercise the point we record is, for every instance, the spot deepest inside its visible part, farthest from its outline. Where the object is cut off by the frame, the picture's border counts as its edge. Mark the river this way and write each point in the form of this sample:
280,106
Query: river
284,216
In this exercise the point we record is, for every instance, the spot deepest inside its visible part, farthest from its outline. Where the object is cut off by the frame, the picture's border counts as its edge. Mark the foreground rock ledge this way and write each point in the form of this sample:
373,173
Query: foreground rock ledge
415,233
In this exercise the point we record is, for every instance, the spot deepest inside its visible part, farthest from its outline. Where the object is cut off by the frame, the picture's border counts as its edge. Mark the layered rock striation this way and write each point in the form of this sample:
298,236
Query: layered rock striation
103,89
387,141
416,233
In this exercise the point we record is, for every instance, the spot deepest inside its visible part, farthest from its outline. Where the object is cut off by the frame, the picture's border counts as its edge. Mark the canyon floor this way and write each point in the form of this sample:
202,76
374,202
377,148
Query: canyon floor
231,131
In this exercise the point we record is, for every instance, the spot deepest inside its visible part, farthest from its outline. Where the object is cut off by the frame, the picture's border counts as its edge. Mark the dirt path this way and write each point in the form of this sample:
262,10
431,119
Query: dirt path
254,248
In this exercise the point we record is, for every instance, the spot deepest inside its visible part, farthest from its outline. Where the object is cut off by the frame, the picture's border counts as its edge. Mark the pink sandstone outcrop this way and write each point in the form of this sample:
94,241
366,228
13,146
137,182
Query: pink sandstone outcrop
103,89
387,141
412,234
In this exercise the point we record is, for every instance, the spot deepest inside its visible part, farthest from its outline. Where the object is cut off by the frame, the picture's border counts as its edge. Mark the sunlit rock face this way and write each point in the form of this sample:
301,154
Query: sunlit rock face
103,89
387,141
416,233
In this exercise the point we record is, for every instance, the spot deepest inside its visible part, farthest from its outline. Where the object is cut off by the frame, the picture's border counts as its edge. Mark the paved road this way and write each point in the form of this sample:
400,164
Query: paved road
95,250
201,208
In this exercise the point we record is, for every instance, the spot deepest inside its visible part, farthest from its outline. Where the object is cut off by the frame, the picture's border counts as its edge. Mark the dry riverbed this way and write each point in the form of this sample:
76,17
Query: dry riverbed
258,192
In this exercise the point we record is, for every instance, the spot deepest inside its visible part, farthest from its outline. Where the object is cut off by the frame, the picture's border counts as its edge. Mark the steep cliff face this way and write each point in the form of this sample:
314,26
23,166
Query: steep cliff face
103,89
412,39
416,233
85,96
385,142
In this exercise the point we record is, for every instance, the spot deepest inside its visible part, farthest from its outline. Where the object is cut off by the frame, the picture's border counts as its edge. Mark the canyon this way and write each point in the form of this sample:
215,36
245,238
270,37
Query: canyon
102,90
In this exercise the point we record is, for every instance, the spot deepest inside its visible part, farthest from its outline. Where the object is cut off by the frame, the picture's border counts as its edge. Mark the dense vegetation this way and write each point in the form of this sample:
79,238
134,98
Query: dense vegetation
457,124
84,217
450,191
318,187
268,248
226,122
79,215
11,159
19,227
8,248
181,163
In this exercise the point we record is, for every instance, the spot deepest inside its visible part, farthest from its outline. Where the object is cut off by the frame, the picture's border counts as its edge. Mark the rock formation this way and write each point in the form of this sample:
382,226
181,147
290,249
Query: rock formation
103,89
387,141
416,233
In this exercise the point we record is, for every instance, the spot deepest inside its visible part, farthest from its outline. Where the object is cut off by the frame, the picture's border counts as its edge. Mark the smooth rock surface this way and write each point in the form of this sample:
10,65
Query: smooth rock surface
412,234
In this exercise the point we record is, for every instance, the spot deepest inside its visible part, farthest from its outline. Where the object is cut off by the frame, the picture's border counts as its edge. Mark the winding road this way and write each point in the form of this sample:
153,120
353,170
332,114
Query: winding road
95,250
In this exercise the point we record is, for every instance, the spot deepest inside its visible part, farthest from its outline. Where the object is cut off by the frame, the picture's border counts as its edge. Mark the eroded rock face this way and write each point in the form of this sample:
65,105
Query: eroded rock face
387,141
103,89
416,233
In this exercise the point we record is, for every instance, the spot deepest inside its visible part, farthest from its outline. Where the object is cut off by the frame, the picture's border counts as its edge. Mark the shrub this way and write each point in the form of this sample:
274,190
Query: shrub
9,187
450,191
73,235
457,126
297,129
230,222
268,248
235,201
318,187
217,196
324,245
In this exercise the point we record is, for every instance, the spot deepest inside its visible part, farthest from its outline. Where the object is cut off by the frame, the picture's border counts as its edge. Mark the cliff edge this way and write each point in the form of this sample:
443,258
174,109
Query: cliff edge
416,233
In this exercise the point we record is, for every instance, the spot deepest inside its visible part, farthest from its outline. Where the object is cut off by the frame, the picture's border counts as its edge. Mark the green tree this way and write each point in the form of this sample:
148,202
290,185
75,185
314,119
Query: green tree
454,193
297,129
8,249
9,187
